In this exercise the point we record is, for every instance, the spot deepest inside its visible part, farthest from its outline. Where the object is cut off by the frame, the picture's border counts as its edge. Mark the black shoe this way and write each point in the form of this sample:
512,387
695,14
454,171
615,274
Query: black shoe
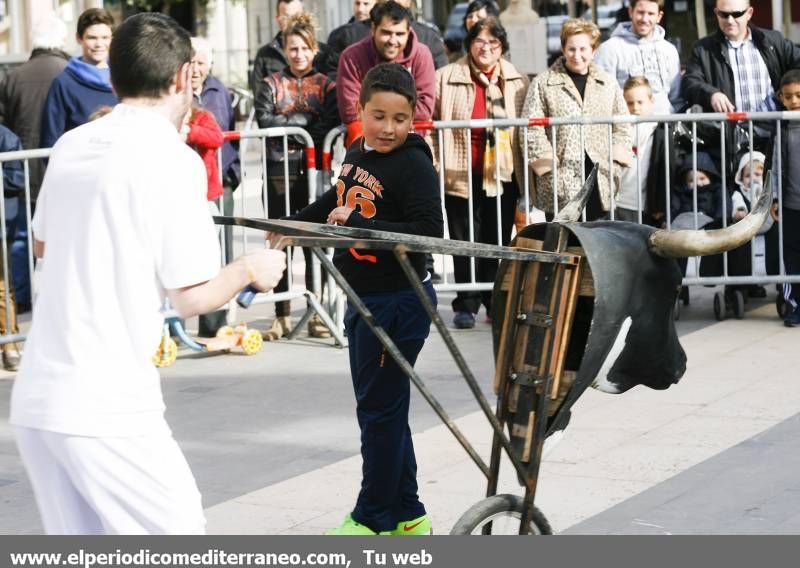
23,308
793,319
756,291
464,320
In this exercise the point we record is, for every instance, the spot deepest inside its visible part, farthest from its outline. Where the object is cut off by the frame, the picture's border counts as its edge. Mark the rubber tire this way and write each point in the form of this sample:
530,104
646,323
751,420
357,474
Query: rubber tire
499,505
676,310
738,304
719,306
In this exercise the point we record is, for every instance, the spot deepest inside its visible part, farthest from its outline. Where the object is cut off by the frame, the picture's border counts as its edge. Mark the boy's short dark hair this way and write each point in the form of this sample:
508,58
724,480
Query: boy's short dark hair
147,51
491,25
790,77
388,78
635,82
92,17
659,2
392,10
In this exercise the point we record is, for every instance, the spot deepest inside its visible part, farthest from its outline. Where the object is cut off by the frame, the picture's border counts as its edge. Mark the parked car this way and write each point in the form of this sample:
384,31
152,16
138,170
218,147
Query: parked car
554,24
454,29
606,17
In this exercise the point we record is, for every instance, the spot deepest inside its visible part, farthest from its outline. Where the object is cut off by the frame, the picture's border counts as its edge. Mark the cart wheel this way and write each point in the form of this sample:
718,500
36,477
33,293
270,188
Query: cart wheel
225,331
676,310
166,358
504,513
252,342
784,308
738,304
719,306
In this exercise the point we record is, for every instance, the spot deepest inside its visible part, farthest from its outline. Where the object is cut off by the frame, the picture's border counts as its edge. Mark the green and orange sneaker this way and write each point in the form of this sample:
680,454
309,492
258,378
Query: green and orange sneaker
415,527
351,527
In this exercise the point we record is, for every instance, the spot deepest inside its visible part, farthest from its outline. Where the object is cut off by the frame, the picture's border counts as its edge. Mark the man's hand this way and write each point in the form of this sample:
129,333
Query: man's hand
264,268
774,212
721,103
274,240
339,216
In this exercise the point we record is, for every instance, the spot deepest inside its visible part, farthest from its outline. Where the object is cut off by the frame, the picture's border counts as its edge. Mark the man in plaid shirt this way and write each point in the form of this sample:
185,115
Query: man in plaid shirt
739,67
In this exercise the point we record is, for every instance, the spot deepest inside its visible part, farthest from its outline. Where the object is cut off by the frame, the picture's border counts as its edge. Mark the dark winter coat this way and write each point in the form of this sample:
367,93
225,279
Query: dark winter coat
708,71
216,99
22,96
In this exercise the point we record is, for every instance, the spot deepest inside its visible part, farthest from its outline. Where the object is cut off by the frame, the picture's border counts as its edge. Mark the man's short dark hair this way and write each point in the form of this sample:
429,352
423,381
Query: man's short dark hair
147,51
392,10
388,78
492,25
92,17
475,5
790,77
279,2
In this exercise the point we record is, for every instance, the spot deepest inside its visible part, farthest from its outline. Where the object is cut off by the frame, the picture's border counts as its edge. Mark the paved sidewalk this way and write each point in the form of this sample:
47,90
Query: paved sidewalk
273,442
741,381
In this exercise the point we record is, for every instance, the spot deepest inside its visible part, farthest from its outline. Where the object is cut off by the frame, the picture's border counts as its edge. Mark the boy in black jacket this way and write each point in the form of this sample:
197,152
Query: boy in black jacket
387,183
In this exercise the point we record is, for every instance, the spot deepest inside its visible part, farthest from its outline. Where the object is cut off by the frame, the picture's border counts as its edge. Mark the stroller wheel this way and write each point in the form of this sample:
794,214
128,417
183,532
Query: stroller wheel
676,310
738,304
719,306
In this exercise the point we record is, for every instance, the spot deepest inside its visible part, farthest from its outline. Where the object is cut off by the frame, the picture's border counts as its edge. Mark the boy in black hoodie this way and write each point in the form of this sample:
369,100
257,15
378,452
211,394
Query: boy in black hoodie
387,183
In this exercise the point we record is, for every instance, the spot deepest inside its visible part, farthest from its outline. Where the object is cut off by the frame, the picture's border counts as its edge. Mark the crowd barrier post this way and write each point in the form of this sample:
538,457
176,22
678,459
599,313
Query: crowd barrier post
24,207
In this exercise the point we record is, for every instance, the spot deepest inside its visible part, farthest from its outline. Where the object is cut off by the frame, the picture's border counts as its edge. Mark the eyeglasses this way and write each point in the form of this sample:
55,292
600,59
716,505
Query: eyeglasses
491,43
735,15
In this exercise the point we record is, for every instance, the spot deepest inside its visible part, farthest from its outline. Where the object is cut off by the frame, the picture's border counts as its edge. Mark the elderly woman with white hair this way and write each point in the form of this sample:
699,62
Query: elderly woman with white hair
211,95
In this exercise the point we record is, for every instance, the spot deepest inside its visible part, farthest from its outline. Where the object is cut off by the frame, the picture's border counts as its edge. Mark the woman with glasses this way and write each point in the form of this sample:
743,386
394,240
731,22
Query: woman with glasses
574,87
479,162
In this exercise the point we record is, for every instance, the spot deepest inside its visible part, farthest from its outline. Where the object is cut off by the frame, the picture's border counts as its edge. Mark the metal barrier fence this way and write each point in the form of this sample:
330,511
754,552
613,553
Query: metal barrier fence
240,243
10,332
333,305
753,122
269,183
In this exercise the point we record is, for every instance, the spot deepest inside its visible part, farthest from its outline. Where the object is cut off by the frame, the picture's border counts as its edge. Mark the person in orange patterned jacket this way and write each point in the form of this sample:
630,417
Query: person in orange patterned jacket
296,96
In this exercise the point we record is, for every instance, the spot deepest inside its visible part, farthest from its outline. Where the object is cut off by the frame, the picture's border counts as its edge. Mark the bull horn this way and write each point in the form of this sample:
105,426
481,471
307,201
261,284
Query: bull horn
679,244
571,212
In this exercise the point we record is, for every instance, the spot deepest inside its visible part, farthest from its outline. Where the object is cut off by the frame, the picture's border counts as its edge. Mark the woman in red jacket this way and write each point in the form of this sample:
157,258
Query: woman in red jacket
202,133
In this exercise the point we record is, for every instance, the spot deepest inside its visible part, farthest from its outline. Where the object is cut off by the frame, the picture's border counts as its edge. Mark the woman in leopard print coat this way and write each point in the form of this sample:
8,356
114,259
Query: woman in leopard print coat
575,87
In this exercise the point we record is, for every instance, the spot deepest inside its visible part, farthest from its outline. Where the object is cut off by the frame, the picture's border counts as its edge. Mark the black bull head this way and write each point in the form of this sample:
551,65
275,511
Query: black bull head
626,335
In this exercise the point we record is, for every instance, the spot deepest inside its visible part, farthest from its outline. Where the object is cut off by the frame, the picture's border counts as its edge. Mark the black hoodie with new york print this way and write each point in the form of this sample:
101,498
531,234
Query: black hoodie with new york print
396,191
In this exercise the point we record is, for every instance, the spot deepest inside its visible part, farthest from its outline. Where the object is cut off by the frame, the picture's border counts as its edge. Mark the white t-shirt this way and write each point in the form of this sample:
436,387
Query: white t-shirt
123,215
631,178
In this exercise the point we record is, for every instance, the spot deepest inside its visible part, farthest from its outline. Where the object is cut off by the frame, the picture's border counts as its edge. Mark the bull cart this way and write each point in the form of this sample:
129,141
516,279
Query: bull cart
574,305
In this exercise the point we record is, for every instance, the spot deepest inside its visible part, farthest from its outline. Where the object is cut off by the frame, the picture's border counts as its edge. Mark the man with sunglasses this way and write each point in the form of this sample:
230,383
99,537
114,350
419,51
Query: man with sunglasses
738,69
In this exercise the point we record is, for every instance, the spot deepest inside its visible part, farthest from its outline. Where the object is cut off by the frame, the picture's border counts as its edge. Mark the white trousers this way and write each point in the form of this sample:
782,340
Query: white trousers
133,485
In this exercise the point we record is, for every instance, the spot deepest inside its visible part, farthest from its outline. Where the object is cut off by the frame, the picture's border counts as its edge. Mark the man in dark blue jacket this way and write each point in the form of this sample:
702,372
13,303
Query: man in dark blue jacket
13,187
84,86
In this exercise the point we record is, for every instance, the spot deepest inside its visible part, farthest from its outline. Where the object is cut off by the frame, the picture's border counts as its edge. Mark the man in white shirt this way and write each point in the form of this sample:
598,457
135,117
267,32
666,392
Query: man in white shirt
123,220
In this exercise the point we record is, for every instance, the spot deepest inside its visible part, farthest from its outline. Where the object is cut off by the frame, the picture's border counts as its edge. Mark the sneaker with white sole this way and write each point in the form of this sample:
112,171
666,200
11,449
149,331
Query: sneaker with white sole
351,527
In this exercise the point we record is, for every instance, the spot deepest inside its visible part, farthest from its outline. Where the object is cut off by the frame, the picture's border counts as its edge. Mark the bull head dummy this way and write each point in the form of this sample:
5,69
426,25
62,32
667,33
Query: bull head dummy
629,335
